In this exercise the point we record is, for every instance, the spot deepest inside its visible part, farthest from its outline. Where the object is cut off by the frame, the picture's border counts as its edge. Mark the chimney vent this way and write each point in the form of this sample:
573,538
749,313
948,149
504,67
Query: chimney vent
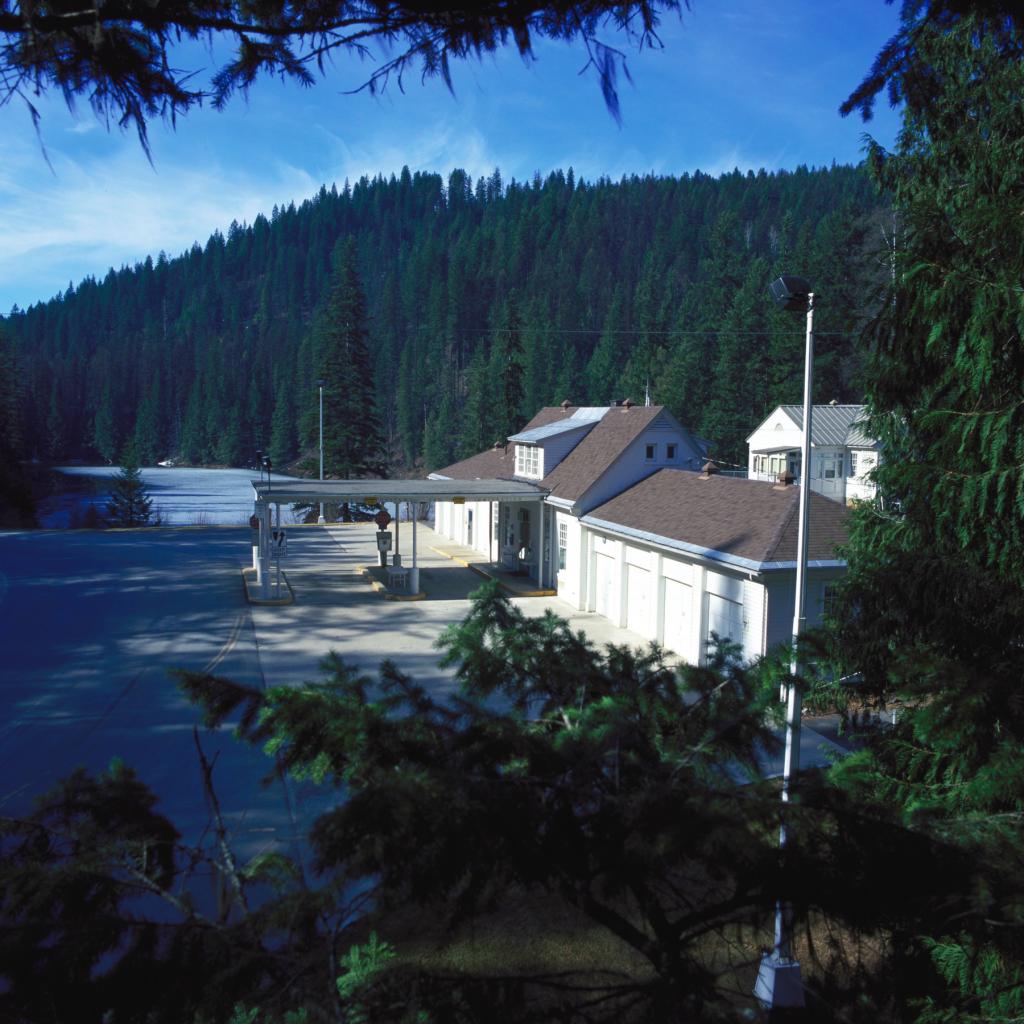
499,444
627,403
784,479
566,404
708,469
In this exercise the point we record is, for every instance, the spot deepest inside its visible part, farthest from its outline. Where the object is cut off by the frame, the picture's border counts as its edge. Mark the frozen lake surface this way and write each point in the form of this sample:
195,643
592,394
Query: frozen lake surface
182,497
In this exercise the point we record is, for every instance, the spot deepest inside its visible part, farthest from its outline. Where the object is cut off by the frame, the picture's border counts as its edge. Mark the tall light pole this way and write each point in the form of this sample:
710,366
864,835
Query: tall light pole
779,985
320,384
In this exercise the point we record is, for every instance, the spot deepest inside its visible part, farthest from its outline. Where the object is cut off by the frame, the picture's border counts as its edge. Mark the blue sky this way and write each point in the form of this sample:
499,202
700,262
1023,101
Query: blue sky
739,83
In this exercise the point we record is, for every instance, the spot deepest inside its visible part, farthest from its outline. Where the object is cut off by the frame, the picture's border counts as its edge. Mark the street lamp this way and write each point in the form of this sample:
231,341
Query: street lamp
779,985
320,384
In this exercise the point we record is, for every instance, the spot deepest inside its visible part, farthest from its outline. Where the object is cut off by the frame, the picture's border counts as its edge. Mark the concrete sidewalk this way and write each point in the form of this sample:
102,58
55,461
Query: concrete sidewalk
336,609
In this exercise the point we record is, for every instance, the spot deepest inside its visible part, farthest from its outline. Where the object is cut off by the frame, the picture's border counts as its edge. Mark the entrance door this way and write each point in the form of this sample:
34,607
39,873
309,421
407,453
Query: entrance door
830,480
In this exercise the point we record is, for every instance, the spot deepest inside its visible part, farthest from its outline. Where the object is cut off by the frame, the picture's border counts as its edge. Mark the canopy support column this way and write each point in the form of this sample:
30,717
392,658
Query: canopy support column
263,570
414,572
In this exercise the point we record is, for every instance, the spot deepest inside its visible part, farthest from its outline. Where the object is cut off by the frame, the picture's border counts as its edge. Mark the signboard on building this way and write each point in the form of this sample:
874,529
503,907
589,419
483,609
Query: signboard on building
384,540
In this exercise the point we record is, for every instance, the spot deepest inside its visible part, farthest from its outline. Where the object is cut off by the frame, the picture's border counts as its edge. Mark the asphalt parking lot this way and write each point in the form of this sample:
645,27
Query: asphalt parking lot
91,622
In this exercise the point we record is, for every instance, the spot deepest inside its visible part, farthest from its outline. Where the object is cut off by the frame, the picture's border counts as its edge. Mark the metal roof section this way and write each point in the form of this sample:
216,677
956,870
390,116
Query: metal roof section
369,491
834,425
583,418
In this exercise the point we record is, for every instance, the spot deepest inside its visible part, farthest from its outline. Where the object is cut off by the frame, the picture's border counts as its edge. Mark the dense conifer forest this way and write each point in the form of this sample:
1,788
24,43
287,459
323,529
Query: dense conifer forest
483,302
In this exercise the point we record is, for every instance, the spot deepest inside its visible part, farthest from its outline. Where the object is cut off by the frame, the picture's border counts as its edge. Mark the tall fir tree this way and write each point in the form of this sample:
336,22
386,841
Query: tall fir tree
935,594
353,446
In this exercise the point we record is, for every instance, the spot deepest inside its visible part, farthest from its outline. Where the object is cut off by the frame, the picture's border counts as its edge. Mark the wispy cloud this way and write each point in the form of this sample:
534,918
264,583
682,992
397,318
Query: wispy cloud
101,211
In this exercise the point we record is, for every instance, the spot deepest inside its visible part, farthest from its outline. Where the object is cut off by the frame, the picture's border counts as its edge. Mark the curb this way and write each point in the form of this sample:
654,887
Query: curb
388,595
481,571
247,572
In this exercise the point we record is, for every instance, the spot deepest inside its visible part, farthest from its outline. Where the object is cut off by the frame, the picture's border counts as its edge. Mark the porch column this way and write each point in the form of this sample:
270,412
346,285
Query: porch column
540,547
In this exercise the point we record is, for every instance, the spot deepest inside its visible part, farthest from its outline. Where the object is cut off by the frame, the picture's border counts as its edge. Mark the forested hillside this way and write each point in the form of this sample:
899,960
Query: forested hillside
550,290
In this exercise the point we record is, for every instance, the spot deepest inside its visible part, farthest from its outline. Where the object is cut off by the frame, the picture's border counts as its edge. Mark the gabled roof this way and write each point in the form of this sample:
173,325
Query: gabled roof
500,462
730,519
599,450
595,454
841,426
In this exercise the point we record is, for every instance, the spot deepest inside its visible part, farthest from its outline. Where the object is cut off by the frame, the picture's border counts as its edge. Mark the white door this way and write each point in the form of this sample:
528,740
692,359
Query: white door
725,618
678,601
830,479
638,601
604,586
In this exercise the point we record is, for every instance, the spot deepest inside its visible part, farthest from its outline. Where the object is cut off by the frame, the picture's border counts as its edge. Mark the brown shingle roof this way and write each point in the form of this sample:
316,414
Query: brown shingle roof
596,453
500,463
745,518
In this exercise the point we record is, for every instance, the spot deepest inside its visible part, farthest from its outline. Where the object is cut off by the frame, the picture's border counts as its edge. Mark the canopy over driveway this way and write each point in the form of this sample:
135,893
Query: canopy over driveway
369,492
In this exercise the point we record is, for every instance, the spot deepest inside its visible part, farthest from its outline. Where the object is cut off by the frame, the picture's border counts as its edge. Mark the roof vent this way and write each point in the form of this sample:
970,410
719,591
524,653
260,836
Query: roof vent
708,469
627,403
566,404
833,402
784,479
499,444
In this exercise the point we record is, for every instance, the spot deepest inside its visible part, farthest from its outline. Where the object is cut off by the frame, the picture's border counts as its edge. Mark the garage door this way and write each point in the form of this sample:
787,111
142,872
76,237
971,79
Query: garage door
604,587
638,601
725,618
678,598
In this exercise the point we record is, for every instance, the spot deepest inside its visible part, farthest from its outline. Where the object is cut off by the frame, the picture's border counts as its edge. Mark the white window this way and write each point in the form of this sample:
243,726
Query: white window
649,452
670,451
563,544
853,463
496,520
527,460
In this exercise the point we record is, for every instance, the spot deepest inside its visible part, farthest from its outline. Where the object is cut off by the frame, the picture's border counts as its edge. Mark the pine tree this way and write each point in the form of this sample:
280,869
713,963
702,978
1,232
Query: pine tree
935,593
353,446
130,504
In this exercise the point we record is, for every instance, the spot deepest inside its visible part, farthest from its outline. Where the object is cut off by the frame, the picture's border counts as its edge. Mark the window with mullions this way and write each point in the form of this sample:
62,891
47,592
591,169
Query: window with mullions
563,545
527,460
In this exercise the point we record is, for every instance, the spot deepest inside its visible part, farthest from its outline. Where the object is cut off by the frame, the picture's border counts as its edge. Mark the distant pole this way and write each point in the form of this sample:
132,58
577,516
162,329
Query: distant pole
320,384
779,983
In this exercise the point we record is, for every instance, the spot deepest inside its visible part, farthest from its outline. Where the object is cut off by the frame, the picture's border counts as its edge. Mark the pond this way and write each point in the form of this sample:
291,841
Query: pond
181,496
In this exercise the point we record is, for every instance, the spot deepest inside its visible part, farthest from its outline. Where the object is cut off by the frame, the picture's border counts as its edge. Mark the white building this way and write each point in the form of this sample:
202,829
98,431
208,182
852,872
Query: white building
842,453
627,525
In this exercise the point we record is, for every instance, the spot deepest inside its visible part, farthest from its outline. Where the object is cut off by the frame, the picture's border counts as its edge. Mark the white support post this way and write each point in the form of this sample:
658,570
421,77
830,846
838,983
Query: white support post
540,547
256,542
414,572
277,554
263,576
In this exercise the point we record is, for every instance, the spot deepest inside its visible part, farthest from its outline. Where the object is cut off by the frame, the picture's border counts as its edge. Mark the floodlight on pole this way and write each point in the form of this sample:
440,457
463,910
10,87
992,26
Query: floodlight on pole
320,384
779,985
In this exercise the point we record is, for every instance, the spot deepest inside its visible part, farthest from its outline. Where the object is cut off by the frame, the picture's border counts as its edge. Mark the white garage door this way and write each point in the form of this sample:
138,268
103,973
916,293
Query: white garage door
678,598
638,601
725,618
604,586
